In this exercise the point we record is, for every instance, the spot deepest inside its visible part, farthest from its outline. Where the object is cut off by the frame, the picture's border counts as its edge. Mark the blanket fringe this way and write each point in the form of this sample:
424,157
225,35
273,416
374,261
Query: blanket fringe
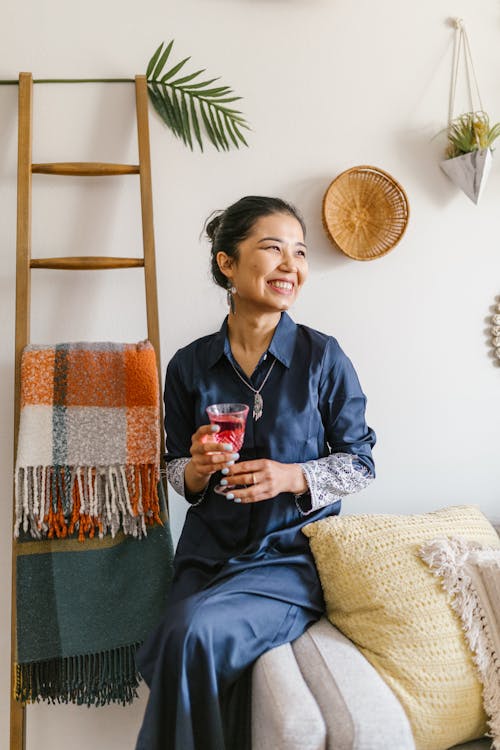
90,679
446,559
57,501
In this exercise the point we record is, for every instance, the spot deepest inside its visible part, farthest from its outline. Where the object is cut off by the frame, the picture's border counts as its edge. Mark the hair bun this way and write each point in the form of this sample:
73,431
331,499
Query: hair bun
213,225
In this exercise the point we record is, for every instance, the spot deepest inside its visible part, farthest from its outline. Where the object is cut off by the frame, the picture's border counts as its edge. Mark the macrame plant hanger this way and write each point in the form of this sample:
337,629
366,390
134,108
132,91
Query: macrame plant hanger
25,263
469,171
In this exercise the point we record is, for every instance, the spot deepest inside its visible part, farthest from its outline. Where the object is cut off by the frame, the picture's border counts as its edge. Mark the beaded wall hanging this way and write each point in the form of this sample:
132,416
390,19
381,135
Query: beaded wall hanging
495,331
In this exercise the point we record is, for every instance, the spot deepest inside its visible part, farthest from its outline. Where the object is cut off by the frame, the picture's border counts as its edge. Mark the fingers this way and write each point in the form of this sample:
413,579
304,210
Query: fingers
210,447
254,481
244,496
213,452
249,480
252,467
252,472
203,442
214,460
207,455
204,432
247,486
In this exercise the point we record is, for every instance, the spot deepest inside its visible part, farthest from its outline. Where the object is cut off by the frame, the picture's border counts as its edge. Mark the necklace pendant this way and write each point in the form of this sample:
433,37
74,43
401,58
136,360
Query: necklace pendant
258,406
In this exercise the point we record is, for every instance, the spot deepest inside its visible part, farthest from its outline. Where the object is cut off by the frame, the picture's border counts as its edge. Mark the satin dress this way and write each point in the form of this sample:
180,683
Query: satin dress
244,578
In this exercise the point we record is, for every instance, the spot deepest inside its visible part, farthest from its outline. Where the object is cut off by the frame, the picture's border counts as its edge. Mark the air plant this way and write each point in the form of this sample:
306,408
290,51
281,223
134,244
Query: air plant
184,104
470,132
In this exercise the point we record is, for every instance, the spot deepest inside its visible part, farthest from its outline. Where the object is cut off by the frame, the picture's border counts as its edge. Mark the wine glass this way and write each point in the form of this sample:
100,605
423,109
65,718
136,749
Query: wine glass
231,419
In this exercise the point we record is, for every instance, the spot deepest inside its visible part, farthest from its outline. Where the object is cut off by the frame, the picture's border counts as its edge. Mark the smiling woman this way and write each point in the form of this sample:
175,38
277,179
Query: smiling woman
266,276
269,270
259,256
244,578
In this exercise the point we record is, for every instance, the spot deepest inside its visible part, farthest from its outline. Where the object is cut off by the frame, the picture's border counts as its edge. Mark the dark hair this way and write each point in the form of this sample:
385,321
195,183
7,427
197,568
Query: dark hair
232,226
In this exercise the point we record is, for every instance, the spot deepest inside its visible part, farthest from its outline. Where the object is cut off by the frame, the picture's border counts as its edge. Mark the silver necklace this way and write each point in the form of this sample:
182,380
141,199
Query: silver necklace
258,401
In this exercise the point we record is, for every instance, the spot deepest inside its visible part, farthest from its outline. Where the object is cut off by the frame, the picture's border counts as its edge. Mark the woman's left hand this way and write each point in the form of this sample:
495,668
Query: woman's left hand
264,479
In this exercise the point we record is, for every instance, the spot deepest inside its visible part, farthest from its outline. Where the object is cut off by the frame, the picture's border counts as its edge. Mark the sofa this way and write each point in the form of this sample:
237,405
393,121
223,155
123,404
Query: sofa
320,693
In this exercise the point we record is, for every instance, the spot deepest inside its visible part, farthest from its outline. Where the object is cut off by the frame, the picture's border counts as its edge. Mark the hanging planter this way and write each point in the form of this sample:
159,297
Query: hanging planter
469,152
470,136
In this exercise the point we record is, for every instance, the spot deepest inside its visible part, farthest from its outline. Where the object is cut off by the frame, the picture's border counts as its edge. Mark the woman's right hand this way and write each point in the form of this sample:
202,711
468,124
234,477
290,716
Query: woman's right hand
207,457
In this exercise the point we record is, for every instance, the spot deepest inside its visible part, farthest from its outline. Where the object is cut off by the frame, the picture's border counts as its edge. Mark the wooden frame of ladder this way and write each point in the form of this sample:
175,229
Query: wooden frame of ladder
23,277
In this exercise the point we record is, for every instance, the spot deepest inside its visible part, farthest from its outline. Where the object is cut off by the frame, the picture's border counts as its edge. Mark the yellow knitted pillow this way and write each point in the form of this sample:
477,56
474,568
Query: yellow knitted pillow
383,597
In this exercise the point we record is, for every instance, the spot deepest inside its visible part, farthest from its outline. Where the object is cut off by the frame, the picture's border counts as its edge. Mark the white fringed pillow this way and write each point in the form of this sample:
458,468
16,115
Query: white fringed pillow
470,574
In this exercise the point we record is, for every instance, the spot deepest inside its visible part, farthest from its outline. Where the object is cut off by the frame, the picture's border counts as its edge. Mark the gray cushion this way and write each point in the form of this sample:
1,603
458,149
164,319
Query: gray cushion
285,715
359,709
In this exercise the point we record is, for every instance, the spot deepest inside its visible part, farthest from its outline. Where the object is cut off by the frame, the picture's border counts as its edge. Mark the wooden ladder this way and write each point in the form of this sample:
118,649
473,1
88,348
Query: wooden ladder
23,277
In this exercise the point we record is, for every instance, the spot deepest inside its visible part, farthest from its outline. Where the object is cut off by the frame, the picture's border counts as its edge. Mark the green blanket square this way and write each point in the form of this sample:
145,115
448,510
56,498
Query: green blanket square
83,609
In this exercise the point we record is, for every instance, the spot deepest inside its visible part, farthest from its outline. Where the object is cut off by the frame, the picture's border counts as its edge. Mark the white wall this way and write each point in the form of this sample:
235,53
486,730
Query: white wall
327,84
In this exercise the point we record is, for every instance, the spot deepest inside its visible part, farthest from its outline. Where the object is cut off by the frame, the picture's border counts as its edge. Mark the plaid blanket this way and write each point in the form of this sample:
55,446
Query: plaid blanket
87,471
89,440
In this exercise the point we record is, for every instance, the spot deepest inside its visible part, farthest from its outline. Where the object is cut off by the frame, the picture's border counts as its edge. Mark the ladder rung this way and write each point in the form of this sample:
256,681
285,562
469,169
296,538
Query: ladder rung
86,263
85,169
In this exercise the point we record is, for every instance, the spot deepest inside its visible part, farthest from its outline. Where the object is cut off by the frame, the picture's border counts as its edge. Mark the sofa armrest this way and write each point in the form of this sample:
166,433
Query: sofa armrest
359,709
285,715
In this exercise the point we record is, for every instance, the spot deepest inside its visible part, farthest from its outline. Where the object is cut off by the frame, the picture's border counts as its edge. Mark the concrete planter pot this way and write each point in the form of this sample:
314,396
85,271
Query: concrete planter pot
469,172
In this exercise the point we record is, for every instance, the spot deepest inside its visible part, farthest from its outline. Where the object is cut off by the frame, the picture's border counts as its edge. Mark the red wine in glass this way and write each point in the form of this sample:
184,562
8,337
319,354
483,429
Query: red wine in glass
231,419
231,430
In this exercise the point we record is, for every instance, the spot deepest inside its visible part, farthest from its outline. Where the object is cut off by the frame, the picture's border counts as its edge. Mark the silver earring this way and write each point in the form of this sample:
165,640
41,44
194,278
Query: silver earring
230,291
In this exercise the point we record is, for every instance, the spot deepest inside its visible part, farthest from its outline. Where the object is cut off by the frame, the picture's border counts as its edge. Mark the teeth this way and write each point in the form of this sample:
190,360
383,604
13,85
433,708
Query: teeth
282,284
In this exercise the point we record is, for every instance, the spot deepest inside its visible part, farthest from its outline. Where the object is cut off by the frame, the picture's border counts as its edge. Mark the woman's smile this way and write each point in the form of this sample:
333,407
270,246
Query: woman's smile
282,286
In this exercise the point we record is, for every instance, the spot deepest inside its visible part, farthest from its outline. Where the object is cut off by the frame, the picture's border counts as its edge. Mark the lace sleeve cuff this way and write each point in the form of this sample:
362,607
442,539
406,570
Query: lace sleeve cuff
175,475
331,478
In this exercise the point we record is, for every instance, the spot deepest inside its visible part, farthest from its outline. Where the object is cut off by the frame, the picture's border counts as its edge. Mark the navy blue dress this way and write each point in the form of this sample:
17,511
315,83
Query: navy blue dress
244,578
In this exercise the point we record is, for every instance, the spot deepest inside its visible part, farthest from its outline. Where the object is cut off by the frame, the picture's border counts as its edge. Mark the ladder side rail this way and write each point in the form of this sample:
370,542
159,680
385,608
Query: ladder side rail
23,284
151,287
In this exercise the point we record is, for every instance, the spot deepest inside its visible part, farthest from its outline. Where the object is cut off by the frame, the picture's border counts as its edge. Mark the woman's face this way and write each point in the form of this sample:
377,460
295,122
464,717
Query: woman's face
272,264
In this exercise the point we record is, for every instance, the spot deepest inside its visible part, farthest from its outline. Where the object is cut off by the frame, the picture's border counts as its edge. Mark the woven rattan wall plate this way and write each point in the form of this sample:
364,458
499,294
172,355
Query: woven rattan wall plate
365,212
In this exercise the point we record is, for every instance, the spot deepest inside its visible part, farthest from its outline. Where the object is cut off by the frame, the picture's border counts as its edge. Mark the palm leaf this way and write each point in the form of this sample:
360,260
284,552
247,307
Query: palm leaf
195,123
230,130
220,91
208,125
159,104
161,62
164,94
185,118
185,106
222,126
190,77
216,125
175,69
238,133
153,60
182,125
200,85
